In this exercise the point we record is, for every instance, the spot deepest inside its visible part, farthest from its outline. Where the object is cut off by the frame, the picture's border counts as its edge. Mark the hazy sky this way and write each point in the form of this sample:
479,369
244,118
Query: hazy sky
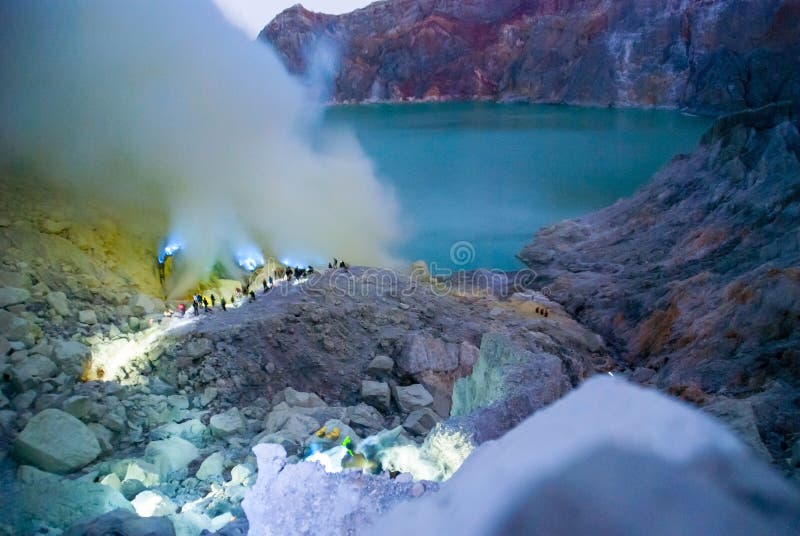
253,15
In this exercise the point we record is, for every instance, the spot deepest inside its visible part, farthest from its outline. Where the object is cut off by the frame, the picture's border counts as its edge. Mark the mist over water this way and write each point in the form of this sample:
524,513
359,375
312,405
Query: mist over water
164,105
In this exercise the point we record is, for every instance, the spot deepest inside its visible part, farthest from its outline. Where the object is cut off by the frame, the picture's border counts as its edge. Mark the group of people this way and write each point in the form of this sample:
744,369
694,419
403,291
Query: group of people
207,303
337,263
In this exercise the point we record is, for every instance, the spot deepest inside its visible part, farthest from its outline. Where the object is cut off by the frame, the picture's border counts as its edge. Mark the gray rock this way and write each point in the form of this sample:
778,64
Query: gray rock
376,394
62,503
209,394
58,302
70,355
365,417
422,352
225,424
31,371
123,523
56,442
87,316
78,406
421,421
302,400
380,366
412,397
212,467
197,348
13,296
104,436
15,328
170,455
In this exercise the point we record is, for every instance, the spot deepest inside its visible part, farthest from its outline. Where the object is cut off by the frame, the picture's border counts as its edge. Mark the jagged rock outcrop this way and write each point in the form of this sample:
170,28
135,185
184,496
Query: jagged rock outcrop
707,57
695,280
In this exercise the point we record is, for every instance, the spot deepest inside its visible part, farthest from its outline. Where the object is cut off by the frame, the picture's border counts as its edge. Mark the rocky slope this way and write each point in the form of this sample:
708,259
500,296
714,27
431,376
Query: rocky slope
702,56
695,280
107,403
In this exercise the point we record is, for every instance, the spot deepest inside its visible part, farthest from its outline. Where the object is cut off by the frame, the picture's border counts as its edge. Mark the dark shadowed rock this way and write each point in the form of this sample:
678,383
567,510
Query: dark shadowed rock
697,276
123,523
704,56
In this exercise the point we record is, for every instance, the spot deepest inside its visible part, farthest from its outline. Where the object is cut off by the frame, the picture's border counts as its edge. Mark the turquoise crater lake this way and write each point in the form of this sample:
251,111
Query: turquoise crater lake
475,180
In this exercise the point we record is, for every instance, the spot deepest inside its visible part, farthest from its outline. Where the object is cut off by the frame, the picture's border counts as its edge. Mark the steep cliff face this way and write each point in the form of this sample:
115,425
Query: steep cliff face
696,279
707,56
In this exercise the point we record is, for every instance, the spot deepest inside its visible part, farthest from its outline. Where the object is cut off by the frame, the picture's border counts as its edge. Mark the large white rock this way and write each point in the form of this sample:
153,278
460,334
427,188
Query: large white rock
13,296
151,503
56,442
170,455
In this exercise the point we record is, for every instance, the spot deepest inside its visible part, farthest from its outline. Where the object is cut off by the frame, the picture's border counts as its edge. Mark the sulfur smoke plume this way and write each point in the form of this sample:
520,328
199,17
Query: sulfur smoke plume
164,104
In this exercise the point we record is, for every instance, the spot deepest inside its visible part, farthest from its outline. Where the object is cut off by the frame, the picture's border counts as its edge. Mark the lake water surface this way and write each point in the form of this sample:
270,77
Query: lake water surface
475,181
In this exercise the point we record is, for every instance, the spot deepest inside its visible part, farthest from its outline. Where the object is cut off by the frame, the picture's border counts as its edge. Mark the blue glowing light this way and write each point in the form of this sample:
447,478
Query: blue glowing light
249,258
169,249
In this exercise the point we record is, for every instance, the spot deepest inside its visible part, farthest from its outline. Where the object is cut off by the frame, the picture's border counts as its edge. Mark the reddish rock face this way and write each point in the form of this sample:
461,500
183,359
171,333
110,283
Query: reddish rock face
704,56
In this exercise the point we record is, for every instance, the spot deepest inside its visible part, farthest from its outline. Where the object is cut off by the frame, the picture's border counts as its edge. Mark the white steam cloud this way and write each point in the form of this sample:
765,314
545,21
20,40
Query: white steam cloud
166,104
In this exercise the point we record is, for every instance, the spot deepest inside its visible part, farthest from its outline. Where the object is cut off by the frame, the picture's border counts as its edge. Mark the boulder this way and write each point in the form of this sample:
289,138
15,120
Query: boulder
103,435
15,328
13,296
70,355
152,503
422,352
170,455
300,399
242,473
56,441
62,503
365,417
58,302
147,304
78,406
192,430
412,397
122,522
225,424
209,394
87,316
197,348
380,366
31,371
421,421
143,472
211,467
376,394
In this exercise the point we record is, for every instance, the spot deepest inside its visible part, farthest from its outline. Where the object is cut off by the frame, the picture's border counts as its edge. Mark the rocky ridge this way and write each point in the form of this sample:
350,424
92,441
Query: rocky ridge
704,57
695,280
